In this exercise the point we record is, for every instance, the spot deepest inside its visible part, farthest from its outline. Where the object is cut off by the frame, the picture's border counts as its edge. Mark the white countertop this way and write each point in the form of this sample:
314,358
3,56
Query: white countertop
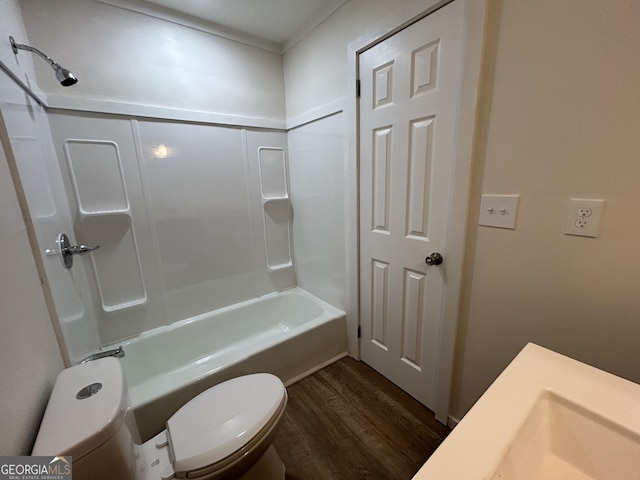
545,416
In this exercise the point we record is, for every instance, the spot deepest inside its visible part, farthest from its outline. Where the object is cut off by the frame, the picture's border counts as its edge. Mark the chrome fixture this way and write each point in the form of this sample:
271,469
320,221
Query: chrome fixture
116,352
89,391
67,251
434,259
64,76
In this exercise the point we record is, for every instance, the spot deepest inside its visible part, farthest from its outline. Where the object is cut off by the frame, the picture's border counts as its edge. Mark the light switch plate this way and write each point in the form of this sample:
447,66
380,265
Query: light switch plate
499,211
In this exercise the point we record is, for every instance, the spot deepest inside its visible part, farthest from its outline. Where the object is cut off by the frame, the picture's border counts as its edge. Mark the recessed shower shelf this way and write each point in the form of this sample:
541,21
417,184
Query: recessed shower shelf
105,213
266,200
276,207
124,305
282,266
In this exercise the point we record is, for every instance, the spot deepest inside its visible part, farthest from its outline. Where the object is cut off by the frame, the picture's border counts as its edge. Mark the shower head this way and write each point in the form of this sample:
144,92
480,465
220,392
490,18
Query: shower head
64,76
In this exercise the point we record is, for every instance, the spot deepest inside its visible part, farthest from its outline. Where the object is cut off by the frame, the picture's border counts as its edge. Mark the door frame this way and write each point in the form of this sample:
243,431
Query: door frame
475,13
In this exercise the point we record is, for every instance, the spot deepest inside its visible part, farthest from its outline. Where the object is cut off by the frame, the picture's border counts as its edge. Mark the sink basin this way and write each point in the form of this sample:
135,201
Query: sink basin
562,440
545,417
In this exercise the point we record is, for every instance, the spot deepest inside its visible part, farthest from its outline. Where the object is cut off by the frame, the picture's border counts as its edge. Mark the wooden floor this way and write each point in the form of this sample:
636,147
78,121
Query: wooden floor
348,422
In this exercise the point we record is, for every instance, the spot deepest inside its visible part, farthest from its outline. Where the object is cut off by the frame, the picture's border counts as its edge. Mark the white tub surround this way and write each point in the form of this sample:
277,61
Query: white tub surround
290,334
316,159
546,416
190,217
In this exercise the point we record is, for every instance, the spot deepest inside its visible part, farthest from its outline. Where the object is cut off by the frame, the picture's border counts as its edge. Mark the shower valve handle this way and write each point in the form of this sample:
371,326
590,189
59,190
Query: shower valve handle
67,251
80,249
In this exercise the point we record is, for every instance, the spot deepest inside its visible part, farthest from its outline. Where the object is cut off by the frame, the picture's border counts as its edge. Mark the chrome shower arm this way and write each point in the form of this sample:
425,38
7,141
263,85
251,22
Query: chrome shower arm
21,46
64,76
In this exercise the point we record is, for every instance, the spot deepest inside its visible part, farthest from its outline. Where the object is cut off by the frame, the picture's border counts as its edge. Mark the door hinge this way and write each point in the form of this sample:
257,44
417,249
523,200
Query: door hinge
357,88
359,332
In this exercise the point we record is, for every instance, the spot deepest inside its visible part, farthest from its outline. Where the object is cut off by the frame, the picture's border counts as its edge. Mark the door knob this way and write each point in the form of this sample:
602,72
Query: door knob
434,259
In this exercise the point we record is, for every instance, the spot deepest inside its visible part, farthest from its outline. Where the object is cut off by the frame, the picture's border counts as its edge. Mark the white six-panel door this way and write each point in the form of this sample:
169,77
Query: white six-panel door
407,112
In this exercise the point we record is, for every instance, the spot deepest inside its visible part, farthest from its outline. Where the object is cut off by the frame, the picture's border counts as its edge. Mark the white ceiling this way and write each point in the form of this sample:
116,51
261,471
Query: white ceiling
278,21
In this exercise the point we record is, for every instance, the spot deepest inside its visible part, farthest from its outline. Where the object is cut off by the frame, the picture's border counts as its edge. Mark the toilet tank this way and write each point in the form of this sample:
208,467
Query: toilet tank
85,418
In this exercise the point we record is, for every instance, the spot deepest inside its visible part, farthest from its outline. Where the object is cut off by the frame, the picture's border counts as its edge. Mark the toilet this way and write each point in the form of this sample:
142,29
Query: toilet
223,433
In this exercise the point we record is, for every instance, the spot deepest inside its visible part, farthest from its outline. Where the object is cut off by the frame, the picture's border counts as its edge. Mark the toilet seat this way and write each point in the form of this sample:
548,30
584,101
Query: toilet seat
222,425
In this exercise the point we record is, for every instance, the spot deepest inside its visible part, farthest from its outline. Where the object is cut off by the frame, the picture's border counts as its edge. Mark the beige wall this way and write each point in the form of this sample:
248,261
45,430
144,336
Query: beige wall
559,118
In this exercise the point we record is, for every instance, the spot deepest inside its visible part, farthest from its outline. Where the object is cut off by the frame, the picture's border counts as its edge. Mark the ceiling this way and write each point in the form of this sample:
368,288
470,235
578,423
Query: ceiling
278,21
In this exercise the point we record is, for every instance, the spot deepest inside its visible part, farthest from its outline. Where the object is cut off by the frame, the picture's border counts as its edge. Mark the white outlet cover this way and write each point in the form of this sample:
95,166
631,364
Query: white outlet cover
584,217
499,211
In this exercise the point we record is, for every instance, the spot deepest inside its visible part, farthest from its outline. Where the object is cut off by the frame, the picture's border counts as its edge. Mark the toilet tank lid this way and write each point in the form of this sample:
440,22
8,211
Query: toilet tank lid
76,426
223,419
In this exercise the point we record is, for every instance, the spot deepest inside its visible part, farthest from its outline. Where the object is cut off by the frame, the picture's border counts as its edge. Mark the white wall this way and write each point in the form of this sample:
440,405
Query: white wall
12,24
558,119
131,58
316,153
315,69
29,353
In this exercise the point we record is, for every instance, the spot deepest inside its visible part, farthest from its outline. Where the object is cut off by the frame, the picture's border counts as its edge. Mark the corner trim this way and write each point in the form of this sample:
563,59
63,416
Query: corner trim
316,113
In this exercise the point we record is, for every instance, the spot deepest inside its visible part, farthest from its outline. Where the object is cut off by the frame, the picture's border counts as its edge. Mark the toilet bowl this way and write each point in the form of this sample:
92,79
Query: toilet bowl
223,433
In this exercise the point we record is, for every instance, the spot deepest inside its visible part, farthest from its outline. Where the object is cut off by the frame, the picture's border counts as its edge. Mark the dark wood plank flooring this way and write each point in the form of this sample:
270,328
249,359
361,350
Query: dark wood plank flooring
347,422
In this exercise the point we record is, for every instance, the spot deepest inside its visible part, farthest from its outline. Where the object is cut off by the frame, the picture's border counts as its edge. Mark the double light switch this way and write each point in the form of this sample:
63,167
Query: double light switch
499,211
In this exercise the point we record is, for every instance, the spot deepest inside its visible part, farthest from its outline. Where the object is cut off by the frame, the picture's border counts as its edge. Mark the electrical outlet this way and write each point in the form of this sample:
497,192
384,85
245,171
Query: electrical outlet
583,217
585,211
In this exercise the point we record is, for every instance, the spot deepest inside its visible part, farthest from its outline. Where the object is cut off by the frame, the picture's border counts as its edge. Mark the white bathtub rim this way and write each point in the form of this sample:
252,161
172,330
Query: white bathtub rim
182,375
329,311
189,373
248,344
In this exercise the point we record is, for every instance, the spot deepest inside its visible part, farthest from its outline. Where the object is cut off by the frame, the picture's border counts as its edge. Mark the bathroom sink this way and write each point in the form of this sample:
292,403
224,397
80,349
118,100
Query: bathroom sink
545,417
560,439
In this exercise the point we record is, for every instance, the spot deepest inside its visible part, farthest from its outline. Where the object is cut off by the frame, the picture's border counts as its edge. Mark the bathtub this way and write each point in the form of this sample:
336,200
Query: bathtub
290,334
